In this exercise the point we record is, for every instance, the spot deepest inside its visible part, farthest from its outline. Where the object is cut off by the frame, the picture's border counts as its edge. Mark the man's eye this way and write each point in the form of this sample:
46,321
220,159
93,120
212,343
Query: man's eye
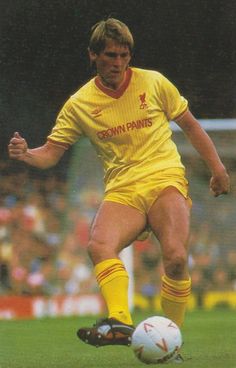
111,54
114,55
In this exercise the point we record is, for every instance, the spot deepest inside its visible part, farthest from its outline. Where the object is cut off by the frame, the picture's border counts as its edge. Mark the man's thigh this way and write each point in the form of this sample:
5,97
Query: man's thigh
169,218
117,225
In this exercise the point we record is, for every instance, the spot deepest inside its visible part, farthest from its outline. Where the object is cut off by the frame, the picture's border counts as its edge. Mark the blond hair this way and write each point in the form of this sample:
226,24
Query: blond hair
110,29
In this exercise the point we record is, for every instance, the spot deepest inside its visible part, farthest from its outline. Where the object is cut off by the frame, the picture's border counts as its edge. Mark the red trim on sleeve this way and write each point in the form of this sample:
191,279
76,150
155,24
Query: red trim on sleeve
59,144
181,115
115,93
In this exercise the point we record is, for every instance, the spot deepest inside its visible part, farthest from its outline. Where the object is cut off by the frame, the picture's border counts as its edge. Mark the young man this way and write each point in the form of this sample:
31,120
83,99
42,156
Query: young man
125,112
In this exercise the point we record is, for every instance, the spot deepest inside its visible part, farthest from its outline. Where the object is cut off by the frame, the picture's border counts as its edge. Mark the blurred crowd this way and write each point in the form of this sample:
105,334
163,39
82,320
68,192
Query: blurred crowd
44,235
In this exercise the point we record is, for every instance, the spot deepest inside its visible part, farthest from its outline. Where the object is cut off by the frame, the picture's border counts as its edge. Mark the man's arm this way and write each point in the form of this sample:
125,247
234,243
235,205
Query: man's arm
42,157
219,183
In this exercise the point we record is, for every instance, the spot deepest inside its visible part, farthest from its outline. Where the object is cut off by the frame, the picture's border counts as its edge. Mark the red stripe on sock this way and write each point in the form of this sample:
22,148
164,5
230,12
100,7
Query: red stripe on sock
109,271
172,291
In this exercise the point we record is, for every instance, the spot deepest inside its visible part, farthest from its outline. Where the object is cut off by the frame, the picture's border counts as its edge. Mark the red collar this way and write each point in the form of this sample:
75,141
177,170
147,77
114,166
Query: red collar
115,93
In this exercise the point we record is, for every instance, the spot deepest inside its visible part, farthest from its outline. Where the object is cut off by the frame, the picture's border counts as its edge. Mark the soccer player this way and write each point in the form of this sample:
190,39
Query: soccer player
125,113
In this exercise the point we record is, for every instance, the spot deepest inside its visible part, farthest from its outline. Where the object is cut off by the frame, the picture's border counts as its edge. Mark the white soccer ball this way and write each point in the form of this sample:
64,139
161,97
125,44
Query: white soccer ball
156,340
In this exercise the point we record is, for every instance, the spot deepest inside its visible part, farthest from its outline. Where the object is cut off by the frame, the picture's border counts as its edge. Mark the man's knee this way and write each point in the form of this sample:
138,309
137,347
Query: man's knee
95,248
175,264
99,249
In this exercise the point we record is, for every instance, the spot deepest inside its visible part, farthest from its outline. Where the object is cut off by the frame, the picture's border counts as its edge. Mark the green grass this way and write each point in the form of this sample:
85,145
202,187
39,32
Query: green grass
210,342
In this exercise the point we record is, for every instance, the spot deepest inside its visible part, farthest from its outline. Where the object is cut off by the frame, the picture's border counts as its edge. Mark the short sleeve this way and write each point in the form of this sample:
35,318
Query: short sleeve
66,130
174,105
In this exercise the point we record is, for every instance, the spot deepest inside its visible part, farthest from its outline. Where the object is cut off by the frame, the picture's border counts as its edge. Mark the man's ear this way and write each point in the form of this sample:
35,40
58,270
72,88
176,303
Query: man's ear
92,56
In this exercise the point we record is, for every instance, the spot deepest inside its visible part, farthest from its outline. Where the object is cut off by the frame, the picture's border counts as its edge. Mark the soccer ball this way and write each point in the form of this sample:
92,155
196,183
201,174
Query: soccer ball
156,340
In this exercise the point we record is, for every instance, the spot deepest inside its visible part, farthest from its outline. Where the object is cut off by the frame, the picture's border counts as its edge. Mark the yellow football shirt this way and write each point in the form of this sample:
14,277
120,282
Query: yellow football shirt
129,128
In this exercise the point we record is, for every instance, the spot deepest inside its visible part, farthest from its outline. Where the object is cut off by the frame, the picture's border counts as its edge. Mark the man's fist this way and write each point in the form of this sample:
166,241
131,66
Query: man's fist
17,147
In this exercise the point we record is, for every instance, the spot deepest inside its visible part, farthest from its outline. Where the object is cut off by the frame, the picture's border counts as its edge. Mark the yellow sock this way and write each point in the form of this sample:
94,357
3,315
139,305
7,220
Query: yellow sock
174,298
113,281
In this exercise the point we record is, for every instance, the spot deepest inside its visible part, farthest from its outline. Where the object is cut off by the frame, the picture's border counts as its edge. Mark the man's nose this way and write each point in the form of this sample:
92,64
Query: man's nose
118,60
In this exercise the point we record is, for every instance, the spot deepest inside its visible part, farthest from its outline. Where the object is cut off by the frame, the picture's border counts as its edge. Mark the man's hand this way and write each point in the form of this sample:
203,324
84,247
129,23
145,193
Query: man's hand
220,184
17,147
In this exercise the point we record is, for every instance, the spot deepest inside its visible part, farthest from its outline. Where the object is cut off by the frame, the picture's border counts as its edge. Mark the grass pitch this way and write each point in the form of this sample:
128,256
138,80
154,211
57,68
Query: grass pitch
209,342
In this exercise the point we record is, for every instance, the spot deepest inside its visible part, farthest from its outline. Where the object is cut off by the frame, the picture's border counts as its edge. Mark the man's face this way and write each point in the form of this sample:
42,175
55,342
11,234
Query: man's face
111,63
